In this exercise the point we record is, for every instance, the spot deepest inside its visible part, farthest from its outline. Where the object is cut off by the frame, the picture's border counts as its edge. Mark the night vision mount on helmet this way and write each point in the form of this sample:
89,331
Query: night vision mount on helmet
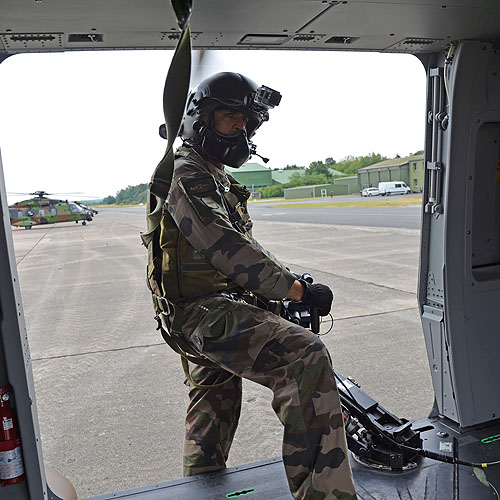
226,91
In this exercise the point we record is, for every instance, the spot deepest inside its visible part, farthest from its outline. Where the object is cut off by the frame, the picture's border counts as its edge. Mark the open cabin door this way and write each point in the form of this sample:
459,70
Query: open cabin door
459,284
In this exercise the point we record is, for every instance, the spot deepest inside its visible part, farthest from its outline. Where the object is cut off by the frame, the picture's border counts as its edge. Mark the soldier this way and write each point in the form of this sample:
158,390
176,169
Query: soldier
211,273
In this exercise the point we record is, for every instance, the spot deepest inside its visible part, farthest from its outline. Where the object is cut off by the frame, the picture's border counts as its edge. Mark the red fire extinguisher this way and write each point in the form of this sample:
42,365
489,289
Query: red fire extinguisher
11,460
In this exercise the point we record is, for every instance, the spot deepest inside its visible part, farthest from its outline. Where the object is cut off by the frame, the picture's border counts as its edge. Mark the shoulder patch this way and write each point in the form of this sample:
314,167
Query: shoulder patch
199,185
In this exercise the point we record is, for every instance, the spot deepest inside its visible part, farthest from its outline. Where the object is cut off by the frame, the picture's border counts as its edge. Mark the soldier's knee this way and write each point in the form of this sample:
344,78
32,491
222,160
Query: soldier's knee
316,352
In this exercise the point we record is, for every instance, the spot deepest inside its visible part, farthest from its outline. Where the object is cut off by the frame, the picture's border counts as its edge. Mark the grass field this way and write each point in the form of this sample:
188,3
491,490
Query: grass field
392,201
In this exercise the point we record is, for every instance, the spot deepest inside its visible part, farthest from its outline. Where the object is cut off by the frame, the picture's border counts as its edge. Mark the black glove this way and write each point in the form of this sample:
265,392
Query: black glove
317,295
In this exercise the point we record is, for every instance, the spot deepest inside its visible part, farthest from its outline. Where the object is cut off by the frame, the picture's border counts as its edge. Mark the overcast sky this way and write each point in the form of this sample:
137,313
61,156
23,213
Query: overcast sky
88,121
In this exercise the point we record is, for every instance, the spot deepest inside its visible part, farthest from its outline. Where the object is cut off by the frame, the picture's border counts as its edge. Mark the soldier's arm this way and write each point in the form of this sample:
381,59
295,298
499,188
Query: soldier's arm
269,254
196,206
249,231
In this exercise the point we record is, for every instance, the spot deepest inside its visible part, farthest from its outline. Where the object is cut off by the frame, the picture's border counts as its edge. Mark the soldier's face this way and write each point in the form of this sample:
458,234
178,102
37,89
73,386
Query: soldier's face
229,122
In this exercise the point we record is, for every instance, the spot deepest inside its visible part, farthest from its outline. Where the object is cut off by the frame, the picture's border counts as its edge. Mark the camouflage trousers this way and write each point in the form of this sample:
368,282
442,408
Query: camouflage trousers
291,361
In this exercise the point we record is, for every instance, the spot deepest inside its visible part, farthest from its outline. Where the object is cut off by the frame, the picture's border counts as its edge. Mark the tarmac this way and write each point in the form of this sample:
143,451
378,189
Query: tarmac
110,394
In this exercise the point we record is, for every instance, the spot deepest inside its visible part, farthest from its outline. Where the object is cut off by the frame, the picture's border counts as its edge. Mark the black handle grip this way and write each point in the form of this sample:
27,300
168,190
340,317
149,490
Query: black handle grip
314,319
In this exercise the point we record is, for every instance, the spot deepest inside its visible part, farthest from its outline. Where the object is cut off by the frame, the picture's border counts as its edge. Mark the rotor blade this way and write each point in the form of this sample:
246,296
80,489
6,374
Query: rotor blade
92,198
76,192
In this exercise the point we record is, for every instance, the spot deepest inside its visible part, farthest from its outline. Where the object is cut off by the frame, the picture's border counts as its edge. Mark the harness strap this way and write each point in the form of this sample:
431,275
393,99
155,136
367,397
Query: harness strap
174,101
170,327
173,337
175,344
185,367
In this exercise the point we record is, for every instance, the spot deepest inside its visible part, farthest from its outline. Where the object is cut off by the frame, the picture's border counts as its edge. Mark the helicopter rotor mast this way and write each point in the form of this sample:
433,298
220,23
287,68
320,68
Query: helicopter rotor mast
40,194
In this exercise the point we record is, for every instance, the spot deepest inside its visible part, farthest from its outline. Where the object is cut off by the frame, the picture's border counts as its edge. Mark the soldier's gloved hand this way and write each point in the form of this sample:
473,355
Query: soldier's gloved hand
317,295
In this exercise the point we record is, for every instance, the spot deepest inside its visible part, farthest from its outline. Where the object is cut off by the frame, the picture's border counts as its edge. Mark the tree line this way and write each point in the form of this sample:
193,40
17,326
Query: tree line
318,172
131,195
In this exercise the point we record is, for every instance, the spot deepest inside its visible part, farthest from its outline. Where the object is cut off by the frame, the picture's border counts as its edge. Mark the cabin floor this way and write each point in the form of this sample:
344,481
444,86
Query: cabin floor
429,480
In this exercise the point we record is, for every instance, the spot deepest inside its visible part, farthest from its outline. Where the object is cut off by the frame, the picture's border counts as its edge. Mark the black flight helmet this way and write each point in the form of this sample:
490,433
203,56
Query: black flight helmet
226,91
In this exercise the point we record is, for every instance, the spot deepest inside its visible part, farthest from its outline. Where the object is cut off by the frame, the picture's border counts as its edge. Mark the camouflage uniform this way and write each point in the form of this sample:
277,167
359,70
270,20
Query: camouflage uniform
244,340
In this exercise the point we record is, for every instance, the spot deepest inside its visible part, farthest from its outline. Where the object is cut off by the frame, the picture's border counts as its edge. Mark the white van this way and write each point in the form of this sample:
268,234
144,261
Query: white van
393,187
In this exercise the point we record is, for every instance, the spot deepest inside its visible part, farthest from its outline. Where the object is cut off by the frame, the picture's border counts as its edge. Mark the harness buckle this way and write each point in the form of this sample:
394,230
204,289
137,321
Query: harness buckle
162,303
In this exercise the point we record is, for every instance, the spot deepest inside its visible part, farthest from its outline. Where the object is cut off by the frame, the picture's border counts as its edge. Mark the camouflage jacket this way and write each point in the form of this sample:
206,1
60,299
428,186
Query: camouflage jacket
206,238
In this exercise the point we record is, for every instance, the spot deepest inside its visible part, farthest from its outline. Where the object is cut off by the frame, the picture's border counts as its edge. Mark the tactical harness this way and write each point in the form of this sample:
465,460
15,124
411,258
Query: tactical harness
168,282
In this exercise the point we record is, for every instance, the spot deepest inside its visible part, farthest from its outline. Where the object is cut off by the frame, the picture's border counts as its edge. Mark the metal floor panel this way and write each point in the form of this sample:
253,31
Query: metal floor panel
431,480
266,478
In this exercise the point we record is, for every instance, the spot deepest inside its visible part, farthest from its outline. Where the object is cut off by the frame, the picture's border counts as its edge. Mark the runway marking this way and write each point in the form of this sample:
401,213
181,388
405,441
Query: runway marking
375,314
29,251
352,279
115,349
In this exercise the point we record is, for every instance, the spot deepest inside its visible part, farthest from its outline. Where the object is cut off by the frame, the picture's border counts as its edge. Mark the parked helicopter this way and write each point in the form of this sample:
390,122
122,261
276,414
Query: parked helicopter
44,210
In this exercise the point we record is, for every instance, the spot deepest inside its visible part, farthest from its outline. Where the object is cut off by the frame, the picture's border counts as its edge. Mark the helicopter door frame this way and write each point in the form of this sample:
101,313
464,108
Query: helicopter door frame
15,365
459,276
457,296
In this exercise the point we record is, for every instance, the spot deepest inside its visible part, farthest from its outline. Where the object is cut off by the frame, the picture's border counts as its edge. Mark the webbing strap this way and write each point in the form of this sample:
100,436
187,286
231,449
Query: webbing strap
171,331
179,344
185,358
182,9
185,367
175,95
175,344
